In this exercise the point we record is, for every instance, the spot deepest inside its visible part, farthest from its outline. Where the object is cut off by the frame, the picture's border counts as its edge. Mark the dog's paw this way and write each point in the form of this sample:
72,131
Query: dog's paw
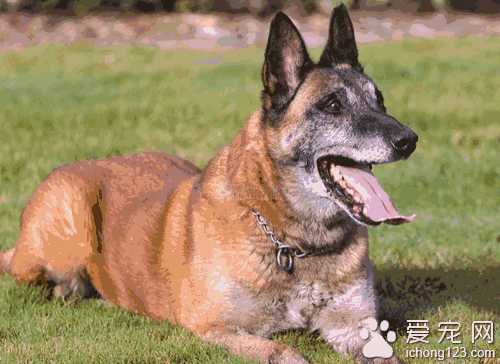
393,360
287,356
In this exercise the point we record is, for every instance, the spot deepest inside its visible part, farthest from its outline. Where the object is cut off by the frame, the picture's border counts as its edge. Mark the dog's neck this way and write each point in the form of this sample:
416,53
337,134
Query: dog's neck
254,182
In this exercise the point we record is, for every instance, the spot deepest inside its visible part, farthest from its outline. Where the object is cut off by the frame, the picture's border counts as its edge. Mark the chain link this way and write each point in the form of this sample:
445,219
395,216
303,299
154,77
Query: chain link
284,252
267,230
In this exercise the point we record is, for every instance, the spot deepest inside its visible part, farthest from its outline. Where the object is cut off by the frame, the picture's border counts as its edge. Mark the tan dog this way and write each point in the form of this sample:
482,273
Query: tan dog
270,236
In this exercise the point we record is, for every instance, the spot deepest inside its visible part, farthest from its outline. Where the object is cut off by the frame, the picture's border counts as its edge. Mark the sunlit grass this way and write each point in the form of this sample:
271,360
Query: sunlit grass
60,104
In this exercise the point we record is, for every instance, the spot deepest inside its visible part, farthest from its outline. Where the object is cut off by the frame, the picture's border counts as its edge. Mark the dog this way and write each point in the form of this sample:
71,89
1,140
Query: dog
270,236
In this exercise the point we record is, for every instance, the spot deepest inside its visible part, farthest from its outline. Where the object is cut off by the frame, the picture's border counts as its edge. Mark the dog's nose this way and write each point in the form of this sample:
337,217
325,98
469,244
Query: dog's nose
406,143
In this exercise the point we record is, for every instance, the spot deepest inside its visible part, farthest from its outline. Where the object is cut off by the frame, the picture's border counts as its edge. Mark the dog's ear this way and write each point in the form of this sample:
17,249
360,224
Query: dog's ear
341,45
285,66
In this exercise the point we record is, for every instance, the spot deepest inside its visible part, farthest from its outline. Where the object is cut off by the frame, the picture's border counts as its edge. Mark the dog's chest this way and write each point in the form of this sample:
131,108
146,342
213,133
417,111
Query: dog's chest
293,307
299,304
303,301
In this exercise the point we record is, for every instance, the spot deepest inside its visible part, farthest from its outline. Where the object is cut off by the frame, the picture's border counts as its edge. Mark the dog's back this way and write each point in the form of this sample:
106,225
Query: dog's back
82,205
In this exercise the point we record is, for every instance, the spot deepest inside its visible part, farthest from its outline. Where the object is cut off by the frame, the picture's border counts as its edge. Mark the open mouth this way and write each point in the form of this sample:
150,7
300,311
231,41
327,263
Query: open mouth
356,190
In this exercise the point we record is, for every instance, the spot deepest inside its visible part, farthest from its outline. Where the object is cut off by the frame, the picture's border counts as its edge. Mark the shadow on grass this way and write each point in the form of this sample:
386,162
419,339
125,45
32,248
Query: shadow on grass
406,293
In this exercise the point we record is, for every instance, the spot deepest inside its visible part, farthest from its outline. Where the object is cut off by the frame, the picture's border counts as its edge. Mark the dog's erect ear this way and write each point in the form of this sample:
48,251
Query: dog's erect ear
286,63
341,44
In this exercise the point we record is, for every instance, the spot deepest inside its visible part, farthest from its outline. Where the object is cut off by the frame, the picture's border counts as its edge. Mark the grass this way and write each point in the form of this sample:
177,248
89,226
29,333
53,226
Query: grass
61,104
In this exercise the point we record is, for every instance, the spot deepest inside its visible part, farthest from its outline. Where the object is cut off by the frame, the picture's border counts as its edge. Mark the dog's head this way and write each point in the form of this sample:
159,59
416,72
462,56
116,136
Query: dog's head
326,125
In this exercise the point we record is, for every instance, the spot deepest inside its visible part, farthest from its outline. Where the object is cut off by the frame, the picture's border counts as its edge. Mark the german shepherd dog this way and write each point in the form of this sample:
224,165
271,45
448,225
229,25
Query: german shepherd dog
270,236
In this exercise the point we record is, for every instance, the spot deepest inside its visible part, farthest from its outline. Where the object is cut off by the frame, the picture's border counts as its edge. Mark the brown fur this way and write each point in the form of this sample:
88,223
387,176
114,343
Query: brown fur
156,236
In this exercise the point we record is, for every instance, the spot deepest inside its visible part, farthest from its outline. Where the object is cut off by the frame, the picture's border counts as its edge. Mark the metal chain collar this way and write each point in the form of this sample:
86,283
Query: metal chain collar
284,252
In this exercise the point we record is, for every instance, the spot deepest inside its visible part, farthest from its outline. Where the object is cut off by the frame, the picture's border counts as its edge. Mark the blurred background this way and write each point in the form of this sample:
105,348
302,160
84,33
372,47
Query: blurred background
208,24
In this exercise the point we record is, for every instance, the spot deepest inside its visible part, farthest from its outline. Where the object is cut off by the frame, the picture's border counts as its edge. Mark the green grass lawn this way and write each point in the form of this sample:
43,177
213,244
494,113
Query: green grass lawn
61,104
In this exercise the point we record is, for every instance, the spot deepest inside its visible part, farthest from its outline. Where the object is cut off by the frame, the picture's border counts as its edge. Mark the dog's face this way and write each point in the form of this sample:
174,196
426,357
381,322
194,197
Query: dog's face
326,125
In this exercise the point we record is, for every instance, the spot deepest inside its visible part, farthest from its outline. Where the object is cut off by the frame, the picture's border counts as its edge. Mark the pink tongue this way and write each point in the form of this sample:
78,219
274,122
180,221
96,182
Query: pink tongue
378,206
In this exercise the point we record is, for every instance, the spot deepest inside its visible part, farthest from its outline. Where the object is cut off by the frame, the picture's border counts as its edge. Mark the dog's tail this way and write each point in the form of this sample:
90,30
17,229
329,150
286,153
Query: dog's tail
5,259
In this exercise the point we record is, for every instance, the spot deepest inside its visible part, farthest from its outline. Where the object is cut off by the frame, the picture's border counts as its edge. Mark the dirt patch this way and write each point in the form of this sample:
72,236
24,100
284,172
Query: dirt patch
198,31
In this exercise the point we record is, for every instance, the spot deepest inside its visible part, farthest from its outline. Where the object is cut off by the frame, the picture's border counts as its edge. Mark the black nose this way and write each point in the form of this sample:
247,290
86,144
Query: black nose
405,143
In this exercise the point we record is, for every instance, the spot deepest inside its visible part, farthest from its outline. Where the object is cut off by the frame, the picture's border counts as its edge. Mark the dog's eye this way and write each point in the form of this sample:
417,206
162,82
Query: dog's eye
332,105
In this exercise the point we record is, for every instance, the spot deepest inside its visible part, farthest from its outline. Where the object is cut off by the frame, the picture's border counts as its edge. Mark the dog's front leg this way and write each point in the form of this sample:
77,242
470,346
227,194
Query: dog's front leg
343,331
254,347
343,336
